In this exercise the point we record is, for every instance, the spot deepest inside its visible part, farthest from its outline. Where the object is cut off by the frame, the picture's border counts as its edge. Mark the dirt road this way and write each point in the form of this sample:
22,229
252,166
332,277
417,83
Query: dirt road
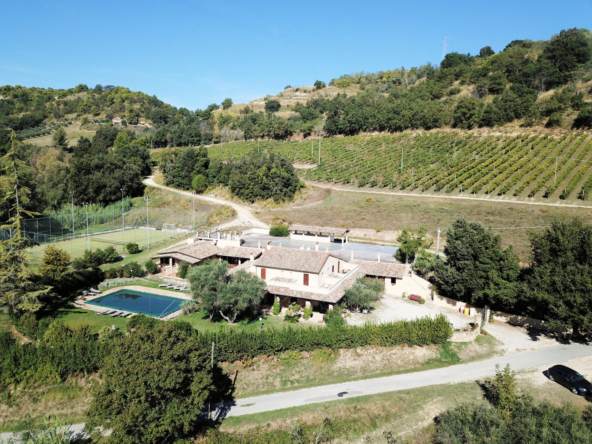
244,214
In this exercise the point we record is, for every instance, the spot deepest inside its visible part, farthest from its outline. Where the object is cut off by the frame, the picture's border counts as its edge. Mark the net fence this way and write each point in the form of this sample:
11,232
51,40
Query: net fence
75,232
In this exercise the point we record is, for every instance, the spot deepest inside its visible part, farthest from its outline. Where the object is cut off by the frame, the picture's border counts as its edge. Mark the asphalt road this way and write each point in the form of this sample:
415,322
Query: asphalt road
454,374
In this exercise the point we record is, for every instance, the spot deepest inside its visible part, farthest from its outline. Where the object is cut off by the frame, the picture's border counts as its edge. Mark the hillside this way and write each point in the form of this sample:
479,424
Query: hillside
529,84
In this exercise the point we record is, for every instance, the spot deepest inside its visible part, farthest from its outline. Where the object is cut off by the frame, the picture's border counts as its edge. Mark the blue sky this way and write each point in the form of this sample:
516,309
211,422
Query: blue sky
192,53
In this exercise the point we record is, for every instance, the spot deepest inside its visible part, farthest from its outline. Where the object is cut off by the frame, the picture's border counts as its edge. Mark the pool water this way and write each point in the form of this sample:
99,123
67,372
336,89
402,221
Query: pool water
149,304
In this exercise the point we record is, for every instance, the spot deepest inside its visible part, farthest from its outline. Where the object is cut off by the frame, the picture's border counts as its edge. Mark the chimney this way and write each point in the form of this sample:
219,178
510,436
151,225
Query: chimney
317,246
352,255
269,245
378,257
252,258
258,244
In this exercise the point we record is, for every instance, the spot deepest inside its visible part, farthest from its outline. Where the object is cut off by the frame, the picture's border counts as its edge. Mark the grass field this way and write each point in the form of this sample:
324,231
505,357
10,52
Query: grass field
73,133
388,212
76,247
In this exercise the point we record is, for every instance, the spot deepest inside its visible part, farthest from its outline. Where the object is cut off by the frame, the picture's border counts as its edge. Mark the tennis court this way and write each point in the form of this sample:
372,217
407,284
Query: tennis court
118,239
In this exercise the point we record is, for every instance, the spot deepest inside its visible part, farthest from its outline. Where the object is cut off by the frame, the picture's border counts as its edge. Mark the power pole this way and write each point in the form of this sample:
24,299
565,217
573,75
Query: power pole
445,46
438,245
319,147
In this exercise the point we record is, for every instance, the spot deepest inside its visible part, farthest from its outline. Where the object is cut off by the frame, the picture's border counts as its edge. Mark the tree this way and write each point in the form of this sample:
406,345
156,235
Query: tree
272,106
319,84
502,391
334,318
279,231
228,296
477,269
411,244
59,139
362,295
559,279
227,103
55,262
156,384
20,287
199,184
486,52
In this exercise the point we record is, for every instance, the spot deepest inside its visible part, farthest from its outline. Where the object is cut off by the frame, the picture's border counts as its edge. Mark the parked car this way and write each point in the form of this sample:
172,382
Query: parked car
570,379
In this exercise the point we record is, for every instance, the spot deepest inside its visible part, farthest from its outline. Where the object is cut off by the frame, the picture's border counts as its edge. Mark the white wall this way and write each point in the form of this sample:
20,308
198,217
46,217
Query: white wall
270,273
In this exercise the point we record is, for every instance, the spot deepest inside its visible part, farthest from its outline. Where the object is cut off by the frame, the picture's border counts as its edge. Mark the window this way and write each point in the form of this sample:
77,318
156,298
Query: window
393,281
332,268
263,273
305,279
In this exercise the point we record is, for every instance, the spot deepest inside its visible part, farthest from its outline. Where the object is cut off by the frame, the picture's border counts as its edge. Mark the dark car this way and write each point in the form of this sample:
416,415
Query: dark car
571,379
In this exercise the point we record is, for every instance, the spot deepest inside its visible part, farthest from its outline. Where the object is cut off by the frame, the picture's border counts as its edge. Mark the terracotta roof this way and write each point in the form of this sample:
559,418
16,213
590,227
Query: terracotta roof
332,297
305,261
381,269
241,252
199,251
315,229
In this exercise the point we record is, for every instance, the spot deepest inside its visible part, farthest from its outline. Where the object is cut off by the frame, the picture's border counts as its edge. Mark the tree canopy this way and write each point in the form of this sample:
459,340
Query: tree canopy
477,269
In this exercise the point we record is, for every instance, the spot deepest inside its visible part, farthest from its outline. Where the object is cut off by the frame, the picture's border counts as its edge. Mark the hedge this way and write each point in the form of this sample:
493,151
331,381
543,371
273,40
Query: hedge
234,346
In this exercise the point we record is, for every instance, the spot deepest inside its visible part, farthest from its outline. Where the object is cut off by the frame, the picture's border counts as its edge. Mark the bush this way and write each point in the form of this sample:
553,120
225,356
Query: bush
110,255
271,106
132,270
362,295
151,267
140,320
291,316
234,346
199,184
279,231
421,301
183,269
276,308
58,332
334,318
110,273
132,248
29,325
307,313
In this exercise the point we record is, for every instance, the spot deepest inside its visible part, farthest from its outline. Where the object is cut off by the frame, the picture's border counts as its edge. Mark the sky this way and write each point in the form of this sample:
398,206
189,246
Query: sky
192,53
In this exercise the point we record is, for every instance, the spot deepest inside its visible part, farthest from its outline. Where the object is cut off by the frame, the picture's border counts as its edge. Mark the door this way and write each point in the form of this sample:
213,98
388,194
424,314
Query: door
305,279
263,273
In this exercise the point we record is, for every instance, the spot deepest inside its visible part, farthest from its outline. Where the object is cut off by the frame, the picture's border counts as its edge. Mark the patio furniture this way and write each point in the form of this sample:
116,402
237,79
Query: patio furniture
163,285
124,314
92,290
115,314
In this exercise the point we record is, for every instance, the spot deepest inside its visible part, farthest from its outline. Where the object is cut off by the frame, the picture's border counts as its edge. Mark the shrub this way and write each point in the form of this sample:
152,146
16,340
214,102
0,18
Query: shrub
29,325
119,271
291,316
183,269
362,295
58,332
235,345
140,320
199,184
276,308
110,255
110,273
132,270
334,318
271,106
132,248
151,267
279,231
421,301
307,313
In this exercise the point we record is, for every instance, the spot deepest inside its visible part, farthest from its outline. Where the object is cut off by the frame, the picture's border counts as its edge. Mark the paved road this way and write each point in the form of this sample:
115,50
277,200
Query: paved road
244,215
454,374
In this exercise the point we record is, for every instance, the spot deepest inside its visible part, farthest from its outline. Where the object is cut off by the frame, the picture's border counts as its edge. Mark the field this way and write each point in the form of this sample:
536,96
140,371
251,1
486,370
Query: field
75,247
380,212
523,167
73,133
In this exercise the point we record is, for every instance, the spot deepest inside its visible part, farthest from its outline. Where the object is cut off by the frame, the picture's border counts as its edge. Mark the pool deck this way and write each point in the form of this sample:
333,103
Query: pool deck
158,291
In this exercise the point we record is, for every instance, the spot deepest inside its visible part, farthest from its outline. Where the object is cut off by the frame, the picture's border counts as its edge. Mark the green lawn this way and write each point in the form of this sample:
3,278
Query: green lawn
199,320
77,316
76,247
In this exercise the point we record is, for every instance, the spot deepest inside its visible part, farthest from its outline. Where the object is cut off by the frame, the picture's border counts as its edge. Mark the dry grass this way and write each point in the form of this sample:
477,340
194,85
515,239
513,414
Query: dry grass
394,213
73,132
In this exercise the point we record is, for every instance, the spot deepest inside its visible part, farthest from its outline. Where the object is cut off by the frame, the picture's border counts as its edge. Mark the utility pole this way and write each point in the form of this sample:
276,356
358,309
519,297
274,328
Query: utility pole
445,46
87,237
212,368
147,199
438,245
72,194
122,218
319,147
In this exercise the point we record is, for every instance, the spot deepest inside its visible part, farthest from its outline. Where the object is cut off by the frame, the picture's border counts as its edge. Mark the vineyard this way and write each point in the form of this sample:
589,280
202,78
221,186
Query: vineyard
442,163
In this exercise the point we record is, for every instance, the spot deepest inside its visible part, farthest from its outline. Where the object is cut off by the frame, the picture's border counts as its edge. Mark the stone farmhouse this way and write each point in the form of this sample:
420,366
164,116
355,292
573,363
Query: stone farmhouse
307,277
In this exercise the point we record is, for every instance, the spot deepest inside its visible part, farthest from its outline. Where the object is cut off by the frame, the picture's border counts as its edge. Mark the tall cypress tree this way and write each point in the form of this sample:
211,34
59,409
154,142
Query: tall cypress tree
20,287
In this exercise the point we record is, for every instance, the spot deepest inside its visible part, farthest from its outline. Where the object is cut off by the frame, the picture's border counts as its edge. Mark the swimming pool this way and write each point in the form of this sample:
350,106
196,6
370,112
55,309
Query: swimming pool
149,304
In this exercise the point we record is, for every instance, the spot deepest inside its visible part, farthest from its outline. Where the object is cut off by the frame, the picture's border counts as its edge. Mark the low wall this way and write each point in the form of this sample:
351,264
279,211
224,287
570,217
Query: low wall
466,336
256,231
498,316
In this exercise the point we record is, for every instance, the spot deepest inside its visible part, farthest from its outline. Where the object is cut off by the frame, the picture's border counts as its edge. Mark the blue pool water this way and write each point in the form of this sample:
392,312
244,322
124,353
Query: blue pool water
139,302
